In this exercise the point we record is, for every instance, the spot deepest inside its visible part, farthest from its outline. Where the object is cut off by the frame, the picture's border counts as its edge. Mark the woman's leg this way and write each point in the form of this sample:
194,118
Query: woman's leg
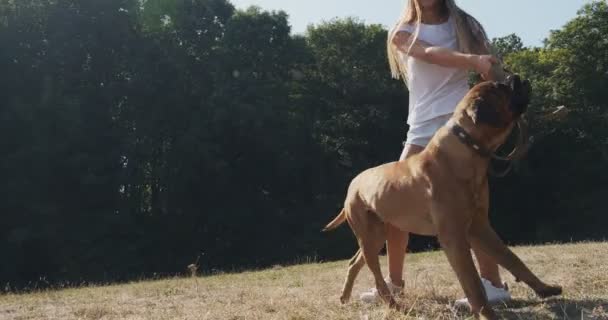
488,269
396,244
397,240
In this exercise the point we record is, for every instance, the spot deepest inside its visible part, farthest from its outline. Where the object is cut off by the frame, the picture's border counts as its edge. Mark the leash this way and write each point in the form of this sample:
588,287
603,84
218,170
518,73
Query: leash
525,140
523,144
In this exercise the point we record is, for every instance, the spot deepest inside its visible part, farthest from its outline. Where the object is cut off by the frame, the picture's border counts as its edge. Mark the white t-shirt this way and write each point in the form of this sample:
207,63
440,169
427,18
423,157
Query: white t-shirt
433,90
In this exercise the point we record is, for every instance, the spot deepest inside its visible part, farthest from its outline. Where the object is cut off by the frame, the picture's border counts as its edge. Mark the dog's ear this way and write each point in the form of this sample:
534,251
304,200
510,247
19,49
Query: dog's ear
483,112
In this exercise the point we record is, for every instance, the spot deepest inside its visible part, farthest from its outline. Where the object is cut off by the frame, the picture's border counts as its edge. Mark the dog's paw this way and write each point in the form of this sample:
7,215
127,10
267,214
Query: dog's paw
395,305
549,291
344,299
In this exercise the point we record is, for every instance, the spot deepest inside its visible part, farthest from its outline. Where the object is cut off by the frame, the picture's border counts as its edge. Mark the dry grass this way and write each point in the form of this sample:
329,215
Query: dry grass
311,291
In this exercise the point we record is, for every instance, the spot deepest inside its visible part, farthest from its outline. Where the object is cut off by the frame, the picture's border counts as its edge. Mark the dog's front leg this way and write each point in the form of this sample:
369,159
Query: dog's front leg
452,235
483,237
458,253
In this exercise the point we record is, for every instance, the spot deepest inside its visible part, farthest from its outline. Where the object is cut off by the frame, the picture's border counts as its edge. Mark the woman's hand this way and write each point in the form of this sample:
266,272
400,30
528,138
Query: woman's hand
482,64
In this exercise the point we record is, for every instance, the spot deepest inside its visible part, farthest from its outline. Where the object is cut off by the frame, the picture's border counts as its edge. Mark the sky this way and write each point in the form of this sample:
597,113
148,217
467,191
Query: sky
531,20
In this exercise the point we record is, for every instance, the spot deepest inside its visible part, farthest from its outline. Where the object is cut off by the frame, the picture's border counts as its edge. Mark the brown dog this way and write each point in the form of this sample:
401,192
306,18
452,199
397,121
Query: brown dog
443,192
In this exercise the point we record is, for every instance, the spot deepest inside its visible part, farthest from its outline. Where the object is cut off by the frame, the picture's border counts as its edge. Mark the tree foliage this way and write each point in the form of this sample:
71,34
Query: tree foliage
139,136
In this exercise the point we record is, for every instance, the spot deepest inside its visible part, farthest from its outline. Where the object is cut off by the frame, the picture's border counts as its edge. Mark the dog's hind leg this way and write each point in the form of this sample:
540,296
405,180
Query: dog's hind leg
371,239
354,266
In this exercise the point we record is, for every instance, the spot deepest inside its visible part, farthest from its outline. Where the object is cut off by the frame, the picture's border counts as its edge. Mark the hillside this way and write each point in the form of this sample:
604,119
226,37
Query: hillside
310,291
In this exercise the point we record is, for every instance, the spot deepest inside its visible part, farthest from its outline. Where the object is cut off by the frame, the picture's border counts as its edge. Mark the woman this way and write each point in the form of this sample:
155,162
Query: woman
432,48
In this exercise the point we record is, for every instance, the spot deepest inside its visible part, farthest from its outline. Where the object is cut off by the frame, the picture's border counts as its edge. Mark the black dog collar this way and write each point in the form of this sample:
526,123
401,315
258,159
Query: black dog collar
466,138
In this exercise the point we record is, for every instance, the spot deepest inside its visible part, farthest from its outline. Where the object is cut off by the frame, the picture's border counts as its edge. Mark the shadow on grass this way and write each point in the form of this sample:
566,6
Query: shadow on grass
553,308
517,309
558,308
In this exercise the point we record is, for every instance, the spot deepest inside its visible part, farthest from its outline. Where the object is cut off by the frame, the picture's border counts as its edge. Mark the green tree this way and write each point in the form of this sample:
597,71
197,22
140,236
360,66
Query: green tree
569,70
506,45
138,135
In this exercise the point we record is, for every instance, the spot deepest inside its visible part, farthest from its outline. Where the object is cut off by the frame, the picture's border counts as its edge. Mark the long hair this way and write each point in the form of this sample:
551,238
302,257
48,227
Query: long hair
471,36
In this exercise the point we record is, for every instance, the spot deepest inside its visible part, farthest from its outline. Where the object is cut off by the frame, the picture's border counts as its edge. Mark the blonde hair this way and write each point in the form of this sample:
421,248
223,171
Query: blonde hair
471,37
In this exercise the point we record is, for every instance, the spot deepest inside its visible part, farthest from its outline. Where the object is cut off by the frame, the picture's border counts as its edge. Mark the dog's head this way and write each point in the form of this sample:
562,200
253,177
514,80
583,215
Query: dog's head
494,107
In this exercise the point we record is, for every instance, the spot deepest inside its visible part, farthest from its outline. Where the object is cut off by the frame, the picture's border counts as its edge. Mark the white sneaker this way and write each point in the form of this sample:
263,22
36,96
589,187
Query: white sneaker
494,294
372,296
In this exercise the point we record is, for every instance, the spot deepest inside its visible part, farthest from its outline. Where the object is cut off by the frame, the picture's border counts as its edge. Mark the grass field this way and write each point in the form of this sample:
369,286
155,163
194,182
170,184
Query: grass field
311,291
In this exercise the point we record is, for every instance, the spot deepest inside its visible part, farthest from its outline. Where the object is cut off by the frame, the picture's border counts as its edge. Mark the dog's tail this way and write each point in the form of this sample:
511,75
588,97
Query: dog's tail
336,222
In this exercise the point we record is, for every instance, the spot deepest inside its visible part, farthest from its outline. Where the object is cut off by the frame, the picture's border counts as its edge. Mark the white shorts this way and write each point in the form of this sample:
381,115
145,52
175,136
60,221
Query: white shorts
420,134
